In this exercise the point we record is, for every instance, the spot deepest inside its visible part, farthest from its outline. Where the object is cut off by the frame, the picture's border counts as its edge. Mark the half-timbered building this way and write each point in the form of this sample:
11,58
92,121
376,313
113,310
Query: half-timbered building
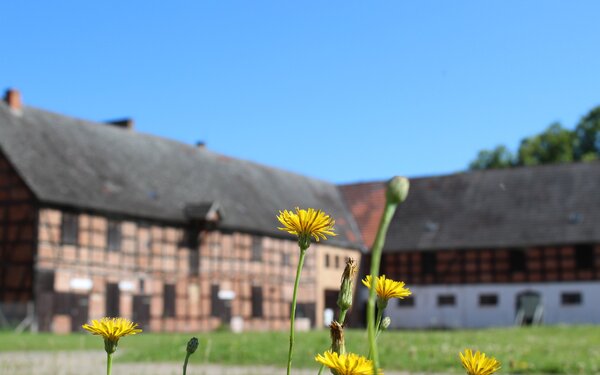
97,219
492,248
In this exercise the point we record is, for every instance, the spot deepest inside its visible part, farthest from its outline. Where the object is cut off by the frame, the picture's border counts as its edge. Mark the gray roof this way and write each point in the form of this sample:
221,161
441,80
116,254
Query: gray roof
543,205
89,165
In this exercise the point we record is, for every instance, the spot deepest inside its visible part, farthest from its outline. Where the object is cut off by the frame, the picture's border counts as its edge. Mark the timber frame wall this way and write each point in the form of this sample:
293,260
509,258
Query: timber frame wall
513,265
17,236
160,278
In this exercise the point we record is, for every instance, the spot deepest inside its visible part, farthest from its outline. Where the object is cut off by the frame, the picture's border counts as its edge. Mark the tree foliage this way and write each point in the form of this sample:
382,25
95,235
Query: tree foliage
554,145
587,135
500,157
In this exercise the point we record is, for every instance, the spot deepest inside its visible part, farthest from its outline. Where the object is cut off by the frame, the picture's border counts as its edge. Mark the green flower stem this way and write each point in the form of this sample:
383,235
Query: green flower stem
378,324
342,316
108,363
185,362
293,312
386,218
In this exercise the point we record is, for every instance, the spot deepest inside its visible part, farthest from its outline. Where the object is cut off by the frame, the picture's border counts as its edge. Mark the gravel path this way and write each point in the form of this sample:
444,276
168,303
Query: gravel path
94,363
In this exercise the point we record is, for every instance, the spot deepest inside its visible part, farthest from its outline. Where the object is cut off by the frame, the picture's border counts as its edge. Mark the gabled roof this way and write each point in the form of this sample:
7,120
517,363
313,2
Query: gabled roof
72,162
366,201
543,205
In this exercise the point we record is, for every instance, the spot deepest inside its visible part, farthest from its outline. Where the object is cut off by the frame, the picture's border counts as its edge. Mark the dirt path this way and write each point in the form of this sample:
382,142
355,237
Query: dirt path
93,363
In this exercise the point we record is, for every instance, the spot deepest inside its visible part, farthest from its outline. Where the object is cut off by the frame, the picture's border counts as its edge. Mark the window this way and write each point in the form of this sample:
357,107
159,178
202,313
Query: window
446,300
584,256
215,302
190,237
406,301
285,259
337,261
69,228
113,297
257,302
169,301
488,300
327,261
256,249
517,260
194,262
113,235
570,298
428,262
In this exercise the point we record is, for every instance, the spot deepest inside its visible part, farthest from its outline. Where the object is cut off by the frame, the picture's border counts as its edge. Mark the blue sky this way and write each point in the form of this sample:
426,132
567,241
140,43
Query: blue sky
344,91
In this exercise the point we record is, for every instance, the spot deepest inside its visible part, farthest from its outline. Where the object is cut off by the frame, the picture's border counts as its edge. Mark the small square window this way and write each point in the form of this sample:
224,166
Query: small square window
570,298
337,261
406,301
446,300
327,261
488,300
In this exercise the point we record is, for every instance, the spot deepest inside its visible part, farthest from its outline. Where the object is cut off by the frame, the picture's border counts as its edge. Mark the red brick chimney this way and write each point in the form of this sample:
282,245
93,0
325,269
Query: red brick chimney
13,99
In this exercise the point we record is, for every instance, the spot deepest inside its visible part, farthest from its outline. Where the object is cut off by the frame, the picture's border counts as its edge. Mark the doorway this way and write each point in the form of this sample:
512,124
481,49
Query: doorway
529,308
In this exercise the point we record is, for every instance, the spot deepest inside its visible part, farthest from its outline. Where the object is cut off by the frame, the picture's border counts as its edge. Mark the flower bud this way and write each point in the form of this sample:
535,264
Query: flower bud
344,300
336,331
385,323
397,190
192,345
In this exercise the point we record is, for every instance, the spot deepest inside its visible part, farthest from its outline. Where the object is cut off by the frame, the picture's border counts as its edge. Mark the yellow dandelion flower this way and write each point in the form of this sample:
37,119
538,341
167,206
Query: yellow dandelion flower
307,223
112,329
347,364
478,363
388,288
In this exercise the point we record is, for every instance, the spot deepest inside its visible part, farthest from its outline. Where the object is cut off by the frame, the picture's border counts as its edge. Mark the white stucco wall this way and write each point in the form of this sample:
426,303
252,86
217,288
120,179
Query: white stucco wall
468,314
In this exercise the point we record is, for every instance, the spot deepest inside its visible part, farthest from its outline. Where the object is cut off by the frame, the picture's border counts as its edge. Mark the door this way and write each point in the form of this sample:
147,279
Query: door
529,309
141,311
79,311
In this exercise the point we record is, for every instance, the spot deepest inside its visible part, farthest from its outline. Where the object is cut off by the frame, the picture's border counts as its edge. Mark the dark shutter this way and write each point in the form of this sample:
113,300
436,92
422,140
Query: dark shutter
584,256
428,262
215,303
112,300
256,248
517,260
114,236
257,302
69,228
169,301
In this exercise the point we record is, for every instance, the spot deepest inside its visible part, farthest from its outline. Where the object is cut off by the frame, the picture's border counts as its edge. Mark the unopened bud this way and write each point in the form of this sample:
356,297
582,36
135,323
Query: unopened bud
337,338
192,345
397,190
385,323
345,297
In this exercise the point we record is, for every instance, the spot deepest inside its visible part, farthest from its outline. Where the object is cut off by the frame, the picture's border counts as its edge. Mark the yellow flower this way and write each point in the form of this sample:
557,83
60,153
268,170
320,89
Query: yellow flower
307,223
478,363
388,288
347,364
112,329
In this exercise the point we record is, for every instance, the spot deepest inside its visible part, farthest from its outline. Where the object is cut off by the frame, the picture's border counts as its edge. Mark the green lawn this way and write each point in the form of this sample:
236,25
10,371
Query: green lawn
556,350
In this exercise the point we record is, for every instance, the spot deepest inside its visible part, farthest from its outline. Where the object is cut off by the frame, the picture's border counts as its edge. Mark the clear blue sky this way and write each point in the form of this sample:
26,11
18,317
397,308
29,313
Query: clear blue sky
344,91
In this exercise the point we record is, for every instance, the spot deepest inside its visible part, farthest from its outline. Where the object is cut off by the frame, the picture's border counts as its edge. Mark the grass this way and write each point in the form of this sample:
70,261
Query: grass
548,350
